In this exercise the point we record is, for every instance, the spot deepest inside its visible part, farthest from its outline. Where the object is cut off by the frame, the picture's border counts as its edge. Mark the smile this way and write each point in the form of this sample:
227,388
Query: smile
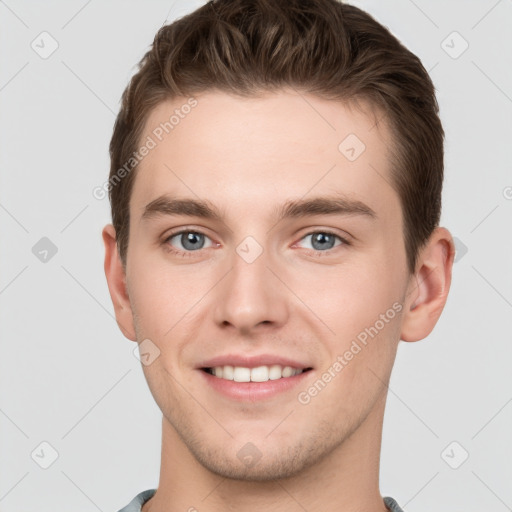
257,374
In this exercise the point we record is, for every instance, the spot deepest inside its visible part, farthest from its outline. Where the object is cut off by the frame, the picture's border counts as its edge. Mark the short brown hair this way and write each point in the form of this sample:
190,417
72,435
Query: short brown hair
324,47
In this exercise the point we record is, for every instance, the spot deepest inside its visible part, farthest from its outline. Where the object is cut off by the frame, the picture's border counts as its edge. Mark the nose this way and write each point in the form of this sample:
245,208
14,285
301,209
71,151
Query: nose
251,297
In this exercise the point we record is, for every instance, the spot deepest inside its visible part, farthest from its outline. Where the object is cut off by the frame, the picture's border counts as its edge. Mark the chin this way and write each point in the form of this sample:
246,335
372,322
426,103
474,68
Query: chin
252,465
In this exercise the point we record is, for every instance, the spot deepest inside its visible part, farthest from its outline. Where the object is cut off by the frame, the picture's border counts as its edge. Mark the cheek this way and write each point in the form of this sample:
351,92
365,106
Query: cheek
349,298
168,305
363,309
156,297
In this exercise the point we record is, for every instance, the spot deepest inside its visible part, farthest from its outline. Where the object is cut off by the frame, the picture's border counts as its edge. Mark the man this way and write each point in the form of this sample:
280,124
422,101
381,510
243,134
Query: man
275,187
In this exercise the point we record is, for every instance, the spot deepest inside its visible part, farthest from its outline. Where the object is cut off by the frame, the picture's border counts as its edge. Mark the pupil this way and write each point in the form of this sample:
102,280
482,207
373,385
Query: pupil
189,239
324,240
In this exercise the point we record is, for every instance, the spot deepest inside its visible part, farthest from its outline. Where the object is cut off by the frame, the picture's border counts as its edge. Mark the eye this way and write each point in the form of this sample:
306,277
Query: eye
323,240
187,241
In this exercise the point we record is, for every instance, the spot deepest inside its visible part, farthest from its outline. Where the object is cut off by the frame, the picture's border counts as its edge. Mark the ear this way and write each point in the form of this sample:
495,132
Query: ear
116,279
429,286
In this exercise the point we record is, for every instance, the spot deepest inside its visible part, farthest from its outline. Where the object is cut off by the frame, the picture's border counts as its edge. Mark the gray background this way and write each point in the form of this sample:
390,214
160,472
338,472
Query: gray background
70,379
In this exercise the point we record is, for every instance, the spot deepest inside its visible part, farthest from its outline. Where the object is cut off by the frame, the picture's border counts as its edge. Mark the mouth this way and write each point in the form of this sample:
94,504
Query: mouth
255,383
254,377
262,373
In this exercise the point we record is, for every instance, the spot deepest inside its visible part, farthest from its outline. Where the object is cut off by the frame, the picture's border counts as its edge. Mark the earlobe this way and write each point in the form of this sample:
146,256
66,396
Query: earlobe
116,280
429,286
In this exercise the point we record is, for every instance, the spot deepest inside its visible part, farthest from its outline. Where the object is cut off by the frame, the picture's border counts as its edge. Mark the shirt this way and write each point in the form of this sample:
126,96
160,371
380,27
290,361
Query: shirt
136,504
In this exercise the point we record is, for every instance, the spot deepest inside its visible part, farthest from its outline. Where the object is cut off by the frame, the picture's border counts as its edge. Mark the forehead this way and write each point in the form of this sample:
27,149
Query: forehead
243,152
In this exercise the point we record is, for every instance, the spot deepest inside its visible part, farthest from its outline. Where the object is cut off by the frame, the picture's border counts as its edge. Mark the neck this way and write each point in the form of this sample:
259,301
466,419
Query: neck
347,480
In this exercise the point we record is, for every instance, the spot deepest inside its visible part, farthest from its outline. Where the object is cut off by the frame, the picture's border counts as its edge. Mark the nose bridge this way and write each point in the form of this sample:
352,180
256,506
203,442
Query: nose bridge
250,294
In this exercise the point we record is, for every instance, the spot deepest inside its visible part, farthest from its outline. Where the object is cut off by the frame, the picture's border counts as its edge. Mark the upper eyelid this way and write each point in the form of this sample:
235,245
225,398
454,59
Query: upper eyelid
324,231
197,231
344,240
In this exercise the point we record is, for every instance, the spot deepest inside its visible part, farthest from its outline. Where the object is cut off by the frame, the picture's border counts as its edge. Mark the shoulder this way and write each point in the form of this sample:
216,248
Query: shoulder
136,504
392,505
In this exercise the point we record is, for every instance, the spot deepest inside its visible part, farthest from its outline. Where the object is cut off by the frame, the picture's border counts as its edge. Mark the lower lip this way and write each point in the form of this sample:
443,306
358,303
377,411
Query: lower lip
252,391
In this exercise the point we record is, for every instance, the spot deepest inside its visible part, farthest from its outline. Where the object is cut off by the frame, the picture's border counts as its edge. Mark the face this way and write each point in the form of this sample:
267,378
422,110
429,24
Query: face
264,235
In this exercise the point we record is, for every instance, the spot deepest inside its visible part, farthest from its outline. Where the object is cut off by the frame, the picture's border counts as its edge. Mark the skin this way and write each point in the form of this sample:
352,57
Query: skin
248,157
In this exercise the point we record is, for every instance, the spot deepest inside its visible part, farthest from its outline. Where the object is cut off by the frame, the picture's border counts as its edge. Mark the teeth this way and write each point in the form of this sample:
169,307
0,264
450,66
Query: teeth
258,374
226,372
288,371
241,374
274,372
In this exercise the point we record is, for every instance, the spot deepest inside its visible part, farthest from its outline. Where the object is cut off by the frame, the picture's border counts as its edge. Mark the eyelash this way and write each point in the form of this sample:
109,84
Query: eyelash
314,252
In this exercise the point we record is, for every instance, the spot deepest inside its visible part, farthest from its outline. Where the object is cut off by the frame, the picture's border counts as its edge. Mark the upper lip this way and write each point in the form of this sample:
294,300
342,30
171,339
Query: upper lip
254,361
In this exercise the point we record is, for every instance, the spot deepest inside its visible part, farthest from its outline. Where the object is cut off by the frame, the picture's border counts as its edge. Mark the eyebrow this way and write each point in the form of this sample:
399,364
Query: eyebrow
330,205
